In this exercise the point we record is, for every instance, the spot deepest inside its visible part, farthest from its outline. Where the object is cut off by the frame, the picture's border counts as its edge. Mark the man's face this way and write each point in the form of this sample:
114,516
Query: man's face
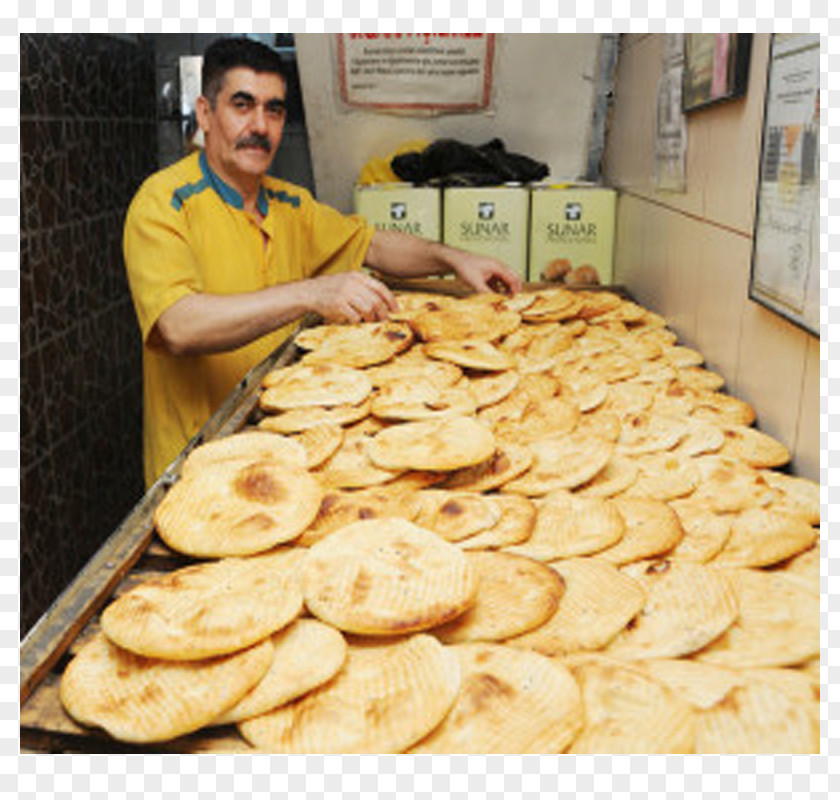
242,133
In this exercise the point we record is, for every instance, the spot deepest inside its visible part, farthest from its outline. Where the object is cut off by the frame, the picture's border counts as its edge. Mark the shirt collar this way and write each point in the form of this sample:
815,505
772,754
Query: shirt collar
227,192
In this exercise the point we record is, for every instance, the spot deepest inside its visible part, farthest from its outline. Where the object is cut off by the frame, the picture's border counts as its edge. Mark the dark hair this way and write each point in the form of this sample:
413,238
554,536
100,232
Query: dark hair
230,52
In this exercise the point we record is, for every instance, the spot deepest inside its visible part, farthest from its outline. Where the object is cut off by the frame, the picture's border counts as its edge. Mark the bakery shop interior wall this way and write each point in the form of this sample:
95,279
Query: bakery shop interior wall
688,255
544,87
87,139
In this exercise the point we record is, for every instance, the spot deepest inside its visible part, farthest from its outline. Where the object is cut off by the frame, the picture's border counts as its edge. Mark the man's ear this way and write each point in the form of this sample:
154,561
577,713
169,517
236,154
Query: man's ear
202,112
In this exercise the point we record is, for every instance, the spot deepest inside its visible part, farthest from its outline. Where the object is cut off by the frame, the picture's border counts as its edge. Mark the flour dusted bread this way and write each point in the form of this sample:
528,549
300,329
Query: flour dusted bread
233,508
510,701
145,700
385,698
206,609
388,577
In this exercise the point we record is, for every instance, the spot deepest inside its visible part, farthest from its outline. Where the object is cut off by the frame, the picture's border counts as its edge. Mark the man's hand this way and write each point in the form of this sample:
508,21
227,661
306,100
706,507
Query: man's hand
405,256
350,297
485,274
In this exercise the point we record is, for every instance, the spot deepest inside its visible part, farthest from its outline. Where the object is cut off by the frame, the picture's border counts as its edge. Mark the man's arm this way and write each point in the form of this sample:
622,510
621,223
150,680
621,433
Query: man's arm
206,323
404,256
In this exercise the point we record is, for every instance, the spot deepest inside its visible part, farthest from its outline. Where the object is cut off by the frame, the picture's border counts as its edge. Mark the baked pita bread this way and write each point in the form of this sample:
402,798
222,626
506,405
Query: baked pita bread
147,700
597,603
205,610
436,445
515,595
386,697
387,577
510,701
233,508
300,385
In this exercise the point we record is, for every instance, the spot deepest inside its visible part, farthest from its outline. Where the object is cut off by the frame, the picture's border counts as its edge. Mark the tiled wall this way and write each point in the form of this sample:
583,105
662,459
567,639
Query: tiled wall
88,138
688,255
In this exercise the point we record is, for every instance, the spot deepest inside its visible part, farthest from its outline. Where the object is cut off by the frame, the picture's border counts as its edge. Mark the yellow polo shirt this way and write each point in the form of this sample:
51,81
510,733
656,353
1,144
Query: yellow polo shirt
186,232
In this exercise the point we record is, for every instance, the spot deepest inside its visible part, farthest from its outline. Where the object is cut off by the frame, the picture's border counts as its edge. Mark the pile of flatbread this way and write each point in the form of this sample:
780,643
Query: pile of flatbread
532,524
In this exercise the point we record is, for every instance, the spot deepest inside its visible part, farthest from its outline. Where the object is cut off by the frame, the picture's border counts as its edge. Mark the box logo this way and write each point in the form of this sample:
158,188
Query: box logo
399,211
486,210
574,211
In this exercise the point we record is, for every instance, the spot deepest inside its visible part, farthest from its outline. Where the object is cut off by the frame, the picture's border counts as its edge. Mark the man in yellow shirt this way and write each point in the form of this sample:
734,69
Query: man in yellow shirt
222,258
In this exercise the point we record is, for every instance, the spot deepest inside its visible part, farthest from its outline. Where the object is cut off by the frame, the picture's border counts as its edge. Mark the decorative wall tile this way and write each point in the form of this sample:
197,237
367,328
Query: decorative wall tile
88,139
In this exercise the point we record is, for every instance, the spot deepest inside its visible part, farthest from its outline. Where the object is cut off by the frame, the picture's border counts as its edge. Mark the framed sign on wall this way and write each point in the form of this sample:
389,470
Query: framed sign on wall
786,244
716,68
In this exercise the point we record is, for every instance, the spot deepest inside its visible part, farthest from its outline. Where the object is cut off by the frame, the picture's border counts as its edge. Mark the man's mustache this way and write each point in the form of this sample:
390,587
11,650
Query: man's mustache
254,140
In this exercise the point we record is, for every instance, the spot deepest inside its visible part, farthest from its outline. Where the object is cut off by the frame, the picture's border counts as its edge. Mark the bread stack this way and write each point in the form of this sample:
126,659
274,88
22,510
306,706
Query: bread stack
527,524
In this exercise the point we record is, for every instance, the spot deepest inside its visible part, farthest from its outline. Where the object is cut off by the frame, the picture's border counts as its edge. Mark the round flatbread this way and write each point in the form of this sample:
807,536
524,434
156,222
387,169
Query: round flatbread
563,462
728,484
753,447
415,368
385,698
797,496
568,525
778,624
760,537
301,419
234,509
664,476
340,507
649,433
360,345
724,409
461,320
207,609
688,605
307,654
489,388
351,467
435,445
618,475
541,419
452,515
319,443
507,462
651,527
145,700
251,445
518,515
417,400
705,532
598,602
387,577
301,386
510,701
628,712
470,353
757,718
515,595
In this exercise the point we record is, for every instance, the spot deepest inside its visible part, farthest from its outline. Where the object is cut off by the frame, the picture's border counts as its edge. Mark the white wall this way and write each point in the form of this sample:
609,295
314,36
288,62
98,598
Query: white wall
687,256
543,100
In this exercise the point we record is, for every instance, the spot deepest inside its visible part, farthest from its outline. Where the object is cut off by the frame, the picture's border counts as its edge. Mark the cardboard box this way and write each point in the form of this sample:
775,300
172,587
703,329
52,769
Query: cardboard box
490,220
401,207
574,222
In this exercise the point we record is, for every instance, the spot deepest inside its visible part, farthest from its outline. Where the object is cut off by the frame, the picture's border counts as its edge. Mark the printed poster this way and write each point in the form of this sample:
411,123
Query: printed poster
416,72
